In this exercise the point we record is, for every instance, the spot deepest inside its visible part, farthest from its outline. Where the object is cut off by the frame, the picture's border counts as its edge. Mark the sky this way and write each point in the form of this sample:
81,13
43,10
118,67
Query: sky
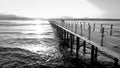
60,8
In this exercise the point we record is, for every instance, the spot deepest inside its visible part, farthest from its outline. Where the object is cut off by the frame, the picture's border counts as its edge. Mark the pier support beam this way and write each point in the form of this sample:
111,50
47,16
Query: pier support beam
71,43
95,55
84,47
77,47
92,56
94,51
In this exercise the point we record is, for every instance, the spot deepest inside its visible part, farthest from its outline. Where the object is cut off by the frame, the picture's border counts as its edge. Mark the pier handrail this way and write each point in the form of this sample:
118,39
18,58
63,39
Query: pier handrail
101,48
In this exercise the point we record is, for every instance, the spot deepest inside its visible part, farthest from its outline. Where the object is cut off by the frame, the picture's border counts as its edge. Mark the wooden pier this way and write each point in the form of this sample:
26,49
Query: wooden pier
73,31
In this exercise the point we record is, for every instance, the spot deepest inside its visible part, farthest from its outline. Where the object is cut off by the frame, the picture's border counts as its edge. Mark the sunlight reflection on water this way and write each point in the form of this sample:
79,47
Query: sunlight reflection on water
29,36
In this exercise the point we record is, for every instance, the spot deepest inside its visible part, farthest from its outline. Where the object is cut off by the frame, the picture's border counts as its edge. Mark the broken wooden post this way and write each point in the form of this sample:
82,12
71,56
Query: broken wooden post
102,35
111,28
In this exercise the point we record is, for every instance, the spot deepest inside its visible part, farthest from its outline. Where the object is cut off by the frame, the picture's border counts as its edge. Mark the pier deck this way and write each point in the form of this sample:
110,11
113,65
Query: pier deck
103,42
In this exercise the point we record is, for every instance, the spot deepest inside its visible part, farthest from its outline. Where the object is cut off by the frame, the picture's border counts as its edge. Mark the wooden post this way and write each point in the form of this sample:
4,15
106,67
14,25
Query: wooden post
111,28
77,47
84,47
92,56
69,25
102,35
89,27
101,28
71,43
96,50
81,29
75,27
94,27
84,25
67,39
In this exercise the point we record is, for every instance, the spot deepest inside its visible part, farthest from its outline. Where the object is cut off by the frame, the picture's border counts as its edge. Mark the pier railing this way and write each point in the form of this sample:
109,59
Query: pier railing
72,32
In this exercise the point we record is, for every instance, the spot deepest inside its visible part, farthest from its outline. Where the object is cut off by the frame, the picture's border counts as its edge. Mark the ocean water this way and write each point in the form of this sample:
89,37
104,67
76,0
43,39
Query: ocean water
33,35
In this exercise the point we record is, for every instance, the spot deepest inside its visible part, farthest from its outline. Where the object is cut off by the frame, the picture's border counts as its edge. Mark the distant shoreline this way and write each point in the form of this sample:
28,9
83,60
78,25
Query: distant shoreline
14,17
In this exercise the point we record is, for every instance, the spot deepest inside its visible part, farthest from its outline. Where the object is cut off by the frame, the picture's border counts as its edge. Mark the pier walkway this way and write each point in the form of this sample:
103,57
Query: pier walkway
98,41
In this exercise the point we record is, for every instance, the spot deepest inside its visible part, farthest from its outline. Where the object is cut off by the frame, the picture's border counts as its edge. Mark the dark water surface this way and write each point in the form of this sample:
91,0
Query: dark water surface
24,43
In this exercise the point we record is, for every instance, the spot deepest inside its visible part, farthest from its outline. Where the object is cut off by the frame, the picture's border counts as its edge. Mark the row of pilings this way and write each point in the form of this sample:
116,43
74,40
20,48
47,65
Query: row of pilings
70,40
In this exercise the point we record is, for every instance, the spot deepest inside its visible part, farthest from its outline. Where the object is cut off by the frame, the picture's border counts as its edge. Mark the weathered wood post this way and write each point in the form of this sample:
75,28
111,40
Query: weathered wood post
96,50
111,28
72,27
101,28
77,47
75,27
71,43
94,27
81,29
102,35
92,56
92,48
88,25
84,47
89,29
